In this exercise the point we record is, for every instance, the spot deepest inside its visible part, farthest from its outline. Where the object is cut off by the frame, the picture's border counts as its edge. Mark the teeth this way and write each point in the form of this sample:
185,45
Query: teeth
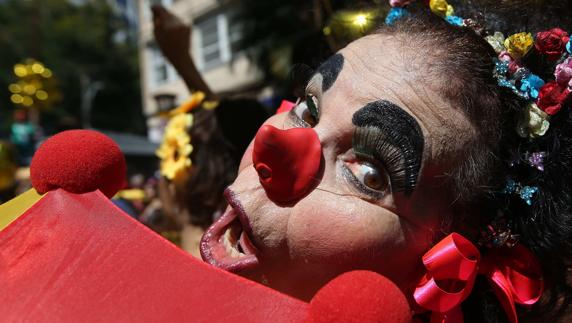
229,245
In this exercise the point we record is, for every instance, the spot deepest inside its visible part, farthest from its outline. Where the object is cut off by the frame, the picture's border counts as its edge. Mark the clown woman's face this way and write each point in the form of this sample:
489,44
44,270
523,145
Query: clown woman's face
387,139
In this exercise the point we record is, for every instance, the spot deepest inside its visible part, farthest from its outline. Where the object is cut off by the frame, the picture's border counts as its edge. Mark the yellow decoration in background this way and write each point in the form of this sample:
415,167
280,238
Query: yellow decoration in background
17,206
175,152
360,20
176,148
131,194
34,87
519,44
195,101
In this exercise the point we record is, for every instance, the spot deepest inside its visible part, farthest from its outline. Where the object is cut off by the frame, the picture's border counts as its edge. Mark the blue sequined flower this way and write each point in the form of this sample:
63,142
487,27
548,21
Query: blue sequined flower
510,187
531,84
501,68
455,21
569,46
527,192
394,15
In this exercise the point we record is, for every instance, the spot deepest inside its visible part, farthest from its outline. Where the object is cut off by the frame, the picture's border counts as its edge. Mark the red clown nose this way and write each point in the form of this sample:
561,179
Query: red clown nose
287,161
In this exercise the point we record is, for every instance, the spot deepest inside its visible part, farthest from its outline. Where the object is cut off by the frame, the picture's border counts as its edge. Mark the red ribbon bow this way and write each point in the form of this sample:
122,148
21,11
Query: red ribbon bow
452,266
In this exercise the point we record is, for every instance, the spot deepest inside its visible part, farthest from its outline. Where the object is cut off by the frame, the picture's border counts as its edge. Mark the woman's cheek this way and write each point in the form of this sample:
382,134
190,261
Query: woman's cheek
341,233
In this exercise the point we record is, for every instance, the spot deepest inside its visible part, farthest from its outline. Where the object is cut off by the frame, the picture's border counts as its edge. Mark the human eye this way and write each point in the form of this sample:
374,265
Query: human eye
305,113
368,177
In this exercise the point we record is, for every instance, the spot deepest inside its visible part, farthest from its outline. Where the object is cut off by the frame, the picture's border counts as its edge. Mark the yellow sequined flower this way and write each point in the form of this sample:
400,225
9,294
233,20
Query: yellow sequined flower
450,10
519,44
440,7
176,148
534,123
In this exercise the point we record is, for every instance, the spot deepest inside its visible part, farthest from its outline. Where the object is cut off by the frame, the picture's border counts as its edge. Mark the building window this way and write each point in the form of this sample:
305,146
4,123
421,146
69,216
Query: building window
235,33
218,38
210,42
165,3
159,67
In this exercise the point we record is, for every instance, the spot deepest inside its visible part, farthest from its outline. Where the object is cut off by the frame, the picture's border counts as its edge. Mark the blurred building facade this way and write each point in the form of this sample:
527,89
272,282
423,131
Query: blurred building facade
215,36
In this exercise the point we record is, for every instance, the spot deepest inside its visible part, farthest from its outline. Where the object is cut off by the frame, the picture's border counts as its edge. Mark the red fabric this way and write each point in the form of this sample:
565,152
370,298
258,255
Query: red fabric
77,258
452,266
551,43
287,161
361,297
78,161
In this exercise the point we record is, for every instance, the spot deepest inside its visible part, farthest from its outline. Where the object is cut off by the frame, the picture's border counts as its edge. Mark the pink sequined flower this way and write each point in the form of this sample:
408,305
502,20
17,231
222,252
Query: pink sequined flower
563,73
399,3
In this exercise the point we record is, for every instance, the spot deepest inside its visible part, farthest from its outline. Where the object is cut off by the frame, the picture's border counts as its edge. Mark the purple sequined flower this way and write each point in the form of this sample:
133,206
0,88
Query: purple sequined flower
536,160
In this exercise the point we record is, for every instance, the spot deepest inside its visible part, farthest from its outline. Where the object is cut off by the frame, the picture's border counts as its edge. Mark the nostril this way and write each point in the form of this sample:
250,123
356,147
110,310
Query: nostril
264,172
287,161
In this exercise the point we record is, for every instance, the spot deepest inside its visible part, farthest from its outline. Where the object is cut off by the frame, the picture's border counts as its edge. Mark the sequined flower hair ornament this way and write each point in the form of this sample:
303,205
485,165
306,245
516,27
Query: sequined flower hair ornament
176,148
545,96
537,68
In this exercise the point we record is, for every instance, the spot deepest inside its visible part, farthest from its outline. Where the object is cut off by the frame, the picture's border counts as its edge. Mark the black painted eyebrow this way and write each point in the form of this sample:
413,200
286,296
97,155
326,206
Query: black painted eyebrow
391,135
330,70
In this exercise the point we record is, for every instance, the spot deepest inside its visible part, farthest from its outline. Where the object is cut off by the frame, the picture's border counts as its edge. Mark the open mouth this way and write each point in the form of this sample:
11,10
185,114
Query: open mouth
226,244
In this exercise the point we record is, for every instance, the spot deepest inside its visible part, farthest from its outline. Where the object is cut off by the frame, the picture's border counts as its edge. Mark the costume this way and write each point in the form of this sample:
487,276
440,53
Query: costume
68,254
101,242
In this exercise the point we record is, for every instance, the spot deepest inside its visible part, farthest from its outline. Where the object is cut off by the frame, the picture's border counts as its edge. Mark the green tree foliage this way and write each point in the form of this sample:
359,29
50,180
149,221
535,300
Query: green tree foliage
280,34
74,40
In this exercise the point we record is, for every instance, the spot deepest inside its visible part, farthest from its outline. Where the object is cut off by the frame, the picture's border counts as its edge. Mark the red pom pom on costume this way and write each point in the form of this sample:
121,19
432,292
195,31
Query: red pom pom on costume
78,161
359,296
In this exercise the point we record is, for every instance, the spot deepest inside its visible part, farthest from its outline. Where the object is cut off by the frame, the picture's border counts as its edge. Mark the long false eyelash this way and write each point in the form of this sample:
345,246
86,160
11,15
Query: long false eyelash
298,78
388,147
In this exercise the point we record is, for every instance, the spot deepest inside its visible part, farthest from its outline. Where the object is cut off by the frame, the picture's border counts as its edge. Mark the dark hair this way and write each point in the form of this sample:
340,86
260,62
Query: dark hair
462,62
219,138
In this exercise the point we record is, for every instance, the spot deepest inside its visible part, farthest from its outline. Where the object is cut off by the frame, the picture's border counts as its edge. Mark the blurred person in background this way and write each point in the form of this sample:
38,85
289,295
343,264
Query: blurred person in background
24,135
195,176
7,171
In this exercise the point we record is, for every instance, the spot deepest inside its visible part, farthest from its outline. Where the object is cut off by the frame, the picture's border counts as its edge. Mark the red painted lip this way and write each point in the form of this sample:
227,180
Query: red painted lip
213,248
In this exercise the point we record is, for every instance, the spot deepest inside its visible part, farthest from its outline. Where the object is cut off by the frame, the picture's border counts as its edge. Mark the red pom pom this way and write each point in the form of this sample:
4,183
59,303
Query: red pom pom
359,296
78,161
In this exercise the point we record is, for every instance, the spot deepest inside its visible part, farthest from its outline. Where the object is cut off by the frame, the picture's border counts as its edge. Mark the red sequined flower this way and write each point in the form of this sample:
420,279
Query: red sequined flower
552,43
551,97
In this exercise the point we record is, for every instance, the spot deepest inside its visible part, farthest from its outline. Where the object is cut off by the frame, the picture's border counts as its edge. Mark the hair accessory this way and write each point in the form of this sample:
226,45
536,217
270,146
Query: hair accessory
498,233
395,14
525,192
552,43
563,73
513,273
536,160
518,45
533,122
